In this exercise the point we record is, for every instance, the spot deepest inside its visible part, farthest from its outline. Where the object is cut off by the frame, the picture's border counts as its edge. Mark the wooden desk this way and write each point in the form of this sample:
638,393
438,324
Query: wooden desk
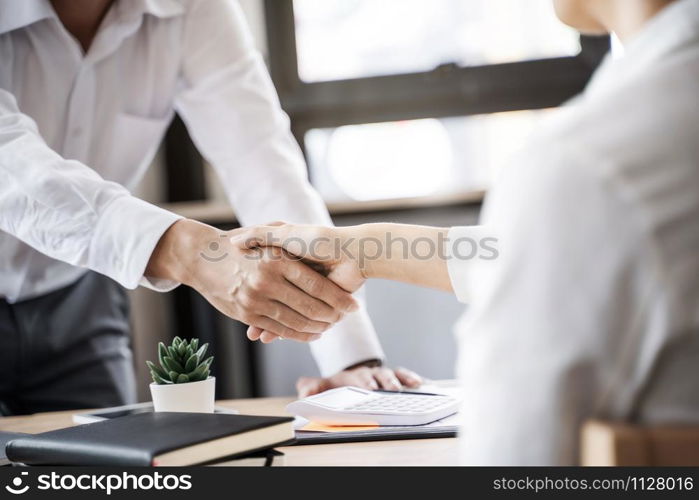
406,452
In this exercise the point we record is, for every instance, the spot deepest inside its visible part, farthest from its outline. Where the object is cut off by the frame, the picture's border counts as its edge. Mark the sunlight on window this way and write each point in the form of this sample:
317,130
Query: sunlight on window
390,160
338,39
415,157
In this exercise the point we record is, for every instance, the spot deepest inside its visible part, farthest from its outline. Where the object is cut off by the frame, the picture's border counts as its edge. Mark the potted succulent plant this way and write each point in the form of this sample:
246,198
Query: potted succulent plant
181,380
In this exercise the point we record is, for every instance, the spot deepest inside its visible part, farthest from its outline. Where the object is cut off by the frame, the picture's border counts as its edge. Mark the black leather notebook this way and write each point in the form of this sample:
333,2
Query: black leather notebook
153,439
6,437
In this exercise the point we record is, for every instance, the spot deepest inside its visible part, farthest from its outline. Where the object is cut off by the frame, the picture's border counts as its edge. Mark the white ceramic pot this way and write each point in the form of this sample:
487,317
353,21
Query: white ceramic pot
192,397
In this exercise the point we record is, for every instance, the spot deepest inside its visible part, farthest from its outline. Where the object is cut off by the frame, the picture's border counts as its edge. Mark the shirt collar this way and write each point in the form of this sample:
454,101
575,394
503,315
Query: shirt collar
672,28
17,14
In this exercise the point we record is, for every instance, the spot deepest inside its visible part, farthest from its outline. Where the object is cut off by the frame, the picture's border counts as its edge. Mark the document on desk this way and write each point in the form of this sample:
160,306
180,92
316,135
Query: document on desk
314,433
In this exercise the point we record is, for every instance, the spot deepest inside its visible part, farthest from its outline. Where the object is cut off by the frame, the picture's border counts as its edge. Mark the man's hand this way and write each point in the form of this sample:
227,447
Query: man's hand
262,287
331,251
364,377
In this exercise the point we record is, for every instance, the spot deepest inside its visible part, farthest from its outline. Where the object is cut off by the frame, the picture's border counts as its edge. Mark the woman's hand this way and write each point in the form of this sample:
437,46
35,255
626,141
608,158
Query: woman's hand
350,255
330,251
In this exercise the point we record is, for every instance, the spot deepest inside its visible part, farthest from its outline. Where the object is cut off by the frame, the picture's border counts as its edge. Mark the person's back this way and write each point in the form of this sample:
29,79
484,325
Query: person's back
605,205
641,127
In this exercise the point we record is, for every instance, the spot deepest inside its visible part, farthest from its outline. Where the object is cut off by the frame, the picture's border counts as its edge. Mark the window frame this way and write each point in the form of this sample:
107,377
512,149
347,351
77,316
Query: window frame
446,91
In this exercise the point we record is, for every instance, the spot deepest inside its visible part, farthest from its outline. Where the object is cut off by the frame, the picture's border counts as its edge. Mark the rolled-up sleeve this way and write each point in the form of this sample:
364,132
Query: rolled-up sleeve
65,210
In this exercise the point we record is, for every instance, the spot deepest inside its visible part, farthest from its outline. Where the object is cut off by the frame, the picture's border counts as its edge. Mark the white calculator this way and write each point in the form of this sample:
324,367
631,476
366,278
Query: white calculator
355,406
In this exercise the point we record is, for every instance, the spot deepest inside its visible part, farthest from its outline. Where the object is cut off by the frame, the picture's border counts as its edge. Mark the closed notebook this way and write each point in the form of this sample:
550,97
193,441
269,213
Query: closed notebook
6,437
153,439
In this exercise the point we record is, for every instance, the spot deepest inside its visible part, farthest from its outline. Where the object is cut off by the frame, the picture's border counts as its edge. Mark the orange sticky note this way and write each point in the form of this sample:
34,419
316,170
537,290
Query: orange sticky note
316,427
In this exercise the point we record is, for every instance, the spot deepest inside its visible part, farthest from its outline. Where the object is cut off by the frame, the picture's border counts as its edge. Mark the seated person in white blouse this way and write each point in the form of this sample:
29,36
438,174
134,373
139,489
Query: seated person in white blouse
589,306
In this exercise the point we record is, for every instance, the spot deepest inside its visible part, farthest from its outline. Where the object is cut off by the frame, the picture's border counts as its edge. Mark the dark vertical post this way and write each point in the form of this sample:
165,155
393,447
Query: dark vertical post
183,164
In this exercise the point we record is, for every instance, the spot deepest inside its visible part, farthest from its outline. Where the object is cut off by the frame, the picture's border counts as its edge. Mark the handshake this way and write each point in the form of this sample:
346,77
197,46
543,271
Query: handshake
284,281
291,281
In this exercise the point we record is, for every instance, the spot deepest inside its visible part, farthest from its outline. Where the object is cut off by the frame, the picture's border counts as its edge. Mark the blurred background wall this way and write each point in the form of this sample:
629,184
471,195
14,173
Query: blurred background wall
405,109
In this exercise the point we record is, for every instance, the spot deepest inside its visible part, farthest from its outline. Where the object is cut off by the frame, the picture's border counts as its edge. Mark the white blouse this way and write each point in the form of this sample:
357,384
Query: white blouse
592,307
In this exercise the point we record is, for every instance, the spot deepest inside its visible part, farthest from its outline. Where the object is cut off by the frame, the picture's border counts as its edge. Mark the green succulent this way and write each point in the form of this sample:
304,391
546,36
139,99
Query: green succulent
180,362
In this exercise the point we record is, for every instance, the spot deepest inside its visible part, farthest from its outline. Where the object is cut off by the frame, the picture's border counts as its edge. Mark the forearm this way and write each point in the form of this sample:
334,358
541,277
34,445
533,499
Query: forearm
401,252
174,256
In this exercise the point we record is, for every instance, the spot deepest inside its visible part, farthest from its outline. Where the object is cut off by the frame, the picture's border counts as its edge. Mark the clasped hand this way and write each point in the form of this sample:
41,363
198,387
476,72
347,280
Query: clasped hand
262,286
326,249
284,281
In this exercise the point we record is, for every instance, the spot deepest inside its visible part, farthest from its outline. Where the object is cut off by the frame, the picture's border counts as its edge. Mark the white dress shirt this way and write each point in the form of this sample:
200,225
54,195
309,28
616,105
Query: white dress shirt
592,308
77,132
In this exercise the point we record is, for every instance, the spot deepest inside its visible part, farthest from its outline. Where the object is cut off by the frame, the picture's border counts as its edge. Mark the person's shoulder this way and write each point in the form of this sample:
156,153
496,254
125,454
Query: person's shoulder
633,150
196,6
208,19
631,135
642,120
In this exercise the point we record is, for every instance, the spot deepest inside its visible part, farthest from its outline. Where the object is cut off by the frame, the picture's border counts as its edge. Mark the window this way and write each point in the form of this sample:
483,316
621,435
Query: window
409,98
412,158
341,39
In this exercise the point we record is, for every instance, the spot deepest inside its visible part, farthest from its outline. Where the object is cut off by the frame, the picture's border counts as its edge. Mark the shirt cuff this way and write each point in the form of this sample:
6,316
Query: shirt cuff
352,341
467,247
124,240
159,285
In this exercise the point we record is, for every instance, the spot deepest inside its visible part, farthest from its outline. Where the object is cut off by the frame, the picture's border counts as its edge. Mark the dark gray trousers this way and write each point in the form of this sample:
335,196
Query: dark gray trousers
66,350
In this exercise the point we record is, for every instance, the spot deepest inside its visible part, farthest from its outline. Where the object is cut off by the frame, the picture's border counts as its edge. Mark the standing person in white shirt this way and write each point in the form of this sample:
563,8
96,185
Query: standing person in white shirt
588,303
87,89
